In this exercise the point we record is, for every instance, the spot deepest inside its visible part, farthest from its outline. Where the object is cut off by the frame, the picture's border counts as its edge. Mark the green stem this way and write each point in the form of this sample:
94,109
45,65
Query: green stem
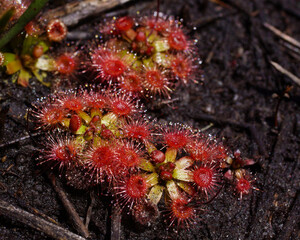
34,8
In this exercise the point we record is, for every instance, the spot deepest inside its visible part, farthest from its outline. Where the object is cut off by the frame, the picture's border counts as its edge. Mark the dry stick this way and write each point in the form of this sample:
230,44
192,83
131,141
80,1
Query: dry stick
73,12
69,207
35,222
6,144
291,47
202,22
90,209
26,206
257,137
282,35
291,50
221,3
3,188
285,72
115,222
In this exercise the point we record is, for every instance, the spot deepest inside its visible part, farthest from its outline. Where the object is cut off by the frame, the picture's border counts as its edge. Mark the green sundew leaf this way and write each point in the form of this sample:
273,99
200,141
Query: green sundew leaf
152,179
86,118
172,190
5,18
13,66
24,77
81,130
148,63
97,141
186,187
129,57
109,119
137,65
152,35
183,175
161,45
170,155
65,122
8,57
150,147
96,112
146,165
184,163
45,45
155,194
162,59
28,44
45,63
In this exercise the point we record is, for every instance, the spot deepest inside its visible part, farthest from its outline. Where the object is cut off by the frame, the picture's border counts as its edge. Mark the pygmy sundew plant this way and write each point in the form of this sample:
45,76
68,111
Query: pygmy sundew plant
145,56
104,139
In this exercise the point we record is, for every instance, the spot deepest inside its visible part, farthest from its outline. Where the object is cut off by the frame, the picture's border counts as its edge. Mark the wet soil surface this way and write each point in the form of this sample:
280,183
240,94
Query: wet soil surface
244,97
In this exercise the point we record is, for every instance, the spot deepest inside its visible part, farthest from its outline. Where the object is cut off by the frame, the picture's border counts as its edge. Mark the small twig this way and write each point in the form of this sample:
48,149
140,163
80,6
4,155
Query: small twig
291,47
8,171
90,209
6,144
280,97
69,207
25,205
35,222
257,137
206,127
73,12
115,222
282,35
211,53
221,3
291,50
208,20
285,72
3,188
79,35
165,102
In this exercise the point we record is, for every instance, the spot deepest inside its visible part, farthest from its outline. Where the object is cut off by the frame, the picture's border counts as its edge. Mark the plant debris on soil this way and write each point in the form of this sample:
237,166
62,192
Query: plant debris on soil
244,100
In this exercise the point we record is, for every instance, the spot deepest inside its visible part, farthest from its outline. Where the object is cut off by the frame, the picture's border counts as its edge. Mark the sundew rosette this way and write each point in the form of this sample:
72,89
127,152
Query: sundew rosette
105,139
146,56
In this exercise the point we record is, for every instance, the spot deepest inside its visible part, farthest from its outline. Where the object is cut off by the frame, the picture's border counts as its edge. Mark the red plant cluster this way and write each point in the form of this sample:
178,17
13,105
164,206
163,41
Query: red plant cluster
101,137
104,139
145,56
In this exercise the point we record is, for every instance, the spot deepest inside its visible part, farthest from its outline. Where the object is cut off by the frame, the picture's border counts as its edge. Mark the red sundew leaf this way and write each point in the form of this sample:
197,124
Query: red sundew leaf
49,116
177,40
66,64
243,186
56,30
137,130
156,82
124,23
176,136
61,152
206,179
181,213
